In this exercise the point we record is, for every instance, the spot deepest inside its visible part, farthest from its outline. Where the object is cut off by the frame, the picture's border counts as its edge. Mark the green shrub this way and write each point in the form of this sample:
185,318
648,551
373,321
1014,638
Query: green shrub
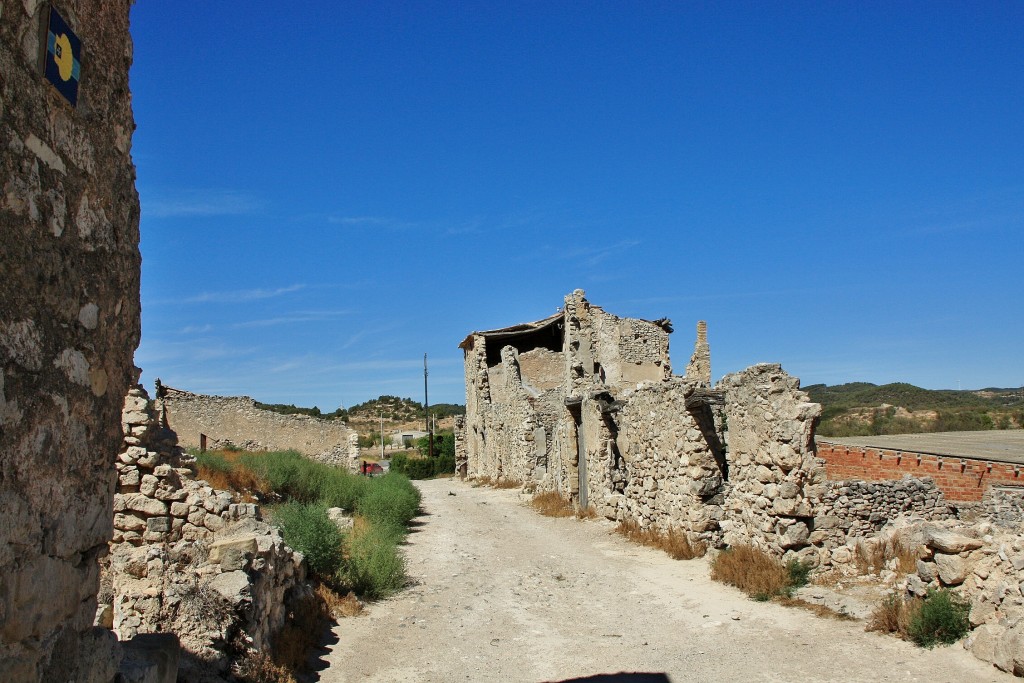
375,567
308,529
391,499
422,468
942,618
799,573
343,490
213,461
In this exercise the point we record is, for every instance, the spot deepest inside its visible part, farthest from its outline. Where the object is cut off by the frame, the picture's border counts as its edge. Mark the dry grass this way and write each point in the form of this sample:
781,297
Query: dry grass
873,557
481,481
822,611
893,615
676,543
753,571
339,606
249,486
507,484
552,504
259,668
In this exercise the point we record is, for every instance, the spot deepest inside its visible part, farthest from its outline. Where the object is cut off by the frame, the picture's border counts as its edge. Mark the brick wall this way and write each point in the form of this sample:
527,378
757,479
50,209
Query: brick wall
959,479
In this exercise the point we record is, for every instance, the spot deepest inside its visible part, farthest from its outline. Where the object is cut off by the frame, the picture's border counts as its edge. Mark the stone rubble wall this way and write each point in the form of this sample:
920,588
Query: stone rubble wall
772,468
188,559
69,322
852,510
666,475
238,421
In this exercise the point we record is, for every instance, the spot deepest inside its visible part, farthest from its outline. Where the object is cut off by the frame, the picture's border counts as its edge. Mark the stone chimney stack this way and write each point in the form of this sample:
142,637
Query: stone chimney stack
699,367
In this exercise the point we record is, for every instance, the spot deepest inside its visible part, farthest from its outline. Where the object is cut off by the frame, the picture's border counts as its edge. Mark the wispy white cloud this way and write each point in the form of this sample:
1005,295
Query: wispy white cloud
292,318
379,222
242,295
196,329
209,202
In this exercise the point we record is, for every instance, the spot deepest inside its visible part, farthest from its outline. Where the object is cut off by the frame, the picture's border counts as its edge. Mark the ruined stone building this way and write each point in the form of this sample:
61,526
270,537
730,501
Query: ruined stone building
585,403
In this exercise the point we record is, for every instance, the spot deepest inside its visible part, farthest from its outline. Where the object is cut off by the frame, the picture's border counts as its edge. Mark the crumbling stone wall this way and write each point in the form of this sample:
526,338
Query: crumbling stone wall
188,559
237,420
770,442
668,473
69,323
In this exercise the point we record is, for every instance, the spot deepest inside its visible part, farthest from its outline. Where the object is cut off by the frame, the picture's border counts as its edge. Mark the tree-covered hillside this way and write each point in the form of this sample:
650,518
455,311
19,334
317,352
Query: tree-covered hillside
864,409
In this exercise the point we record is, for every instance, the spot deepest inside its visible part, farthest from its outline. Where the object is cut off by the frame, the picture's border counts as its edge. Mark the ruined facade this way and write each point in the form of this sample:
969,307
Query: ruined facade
69,323
585,403
239,421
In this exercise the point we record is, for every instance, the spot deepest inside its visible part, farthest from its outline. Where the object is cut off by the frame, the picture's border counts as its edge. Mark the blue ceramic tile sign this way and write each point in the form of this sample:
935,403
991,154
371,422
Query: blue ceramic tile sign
63,57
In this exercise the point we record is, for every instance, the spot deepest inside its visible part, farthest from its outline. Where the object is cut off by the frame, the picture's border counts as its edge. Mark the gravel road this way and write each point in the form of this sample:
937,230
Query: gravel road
503,594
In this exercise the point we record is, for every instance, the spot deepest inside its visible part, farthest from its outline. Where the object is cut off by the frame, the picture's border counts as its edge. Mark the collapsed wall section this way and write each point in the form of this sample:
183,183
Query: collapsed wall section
189,559
69,322
237,419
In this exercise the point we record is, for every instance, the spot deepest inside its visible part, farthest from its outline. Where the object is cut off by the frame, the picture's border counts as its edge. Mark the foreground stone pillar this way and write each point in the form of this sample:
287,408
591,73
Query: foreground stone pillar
69,324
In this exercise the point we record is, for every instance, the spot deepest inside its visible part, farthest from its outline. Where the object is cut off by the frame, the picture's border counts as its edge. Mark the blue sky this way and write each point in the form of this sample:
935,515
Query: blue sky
330,190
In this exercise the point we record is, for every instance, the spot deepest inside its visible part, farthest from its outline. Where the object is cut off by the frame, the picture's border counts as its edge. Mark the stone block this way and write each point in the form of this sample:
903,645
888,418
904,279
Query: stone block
243,544
141,503
158,524
952,569
179,509
126,522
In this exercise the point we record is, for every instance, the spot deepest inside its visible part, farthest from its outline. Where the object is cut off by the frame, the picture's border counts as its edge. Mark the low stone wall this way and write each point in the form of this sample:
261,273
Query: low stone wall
237,420
849,511
959,479
188,559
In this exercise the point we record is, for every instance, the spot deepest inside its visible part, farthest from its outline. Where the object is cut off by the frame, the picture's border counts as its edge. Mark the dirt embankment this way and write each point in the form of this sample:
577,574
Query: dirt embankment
503,594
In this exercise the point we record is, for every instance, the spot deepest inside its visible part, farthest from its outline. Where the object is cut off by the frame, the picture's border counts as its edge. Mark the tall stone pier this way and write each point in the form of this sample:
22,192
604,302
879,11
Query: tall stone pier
69,324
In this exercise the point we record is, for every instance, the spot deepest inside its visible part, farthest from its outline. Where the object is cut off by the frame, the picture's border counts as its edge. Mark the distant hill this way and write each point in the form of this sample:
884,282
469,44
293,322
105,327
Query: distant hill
865,409
394,408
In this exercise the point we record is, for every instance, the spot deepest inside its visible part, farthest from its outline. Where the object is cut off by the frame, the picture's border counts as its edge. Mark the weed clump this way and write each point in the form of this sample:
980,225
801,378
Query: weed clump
552,504
753,571
873,557
941,617
758,574
674,542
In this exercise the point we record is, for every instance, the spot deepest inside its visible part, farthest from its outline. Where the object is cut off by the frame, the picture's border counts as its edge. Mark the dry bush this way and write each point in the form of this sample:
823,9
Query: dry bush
481,481
507,484
872,558
893,615
586,513
259,668
552,504
753,571
823,611
339,606
674,542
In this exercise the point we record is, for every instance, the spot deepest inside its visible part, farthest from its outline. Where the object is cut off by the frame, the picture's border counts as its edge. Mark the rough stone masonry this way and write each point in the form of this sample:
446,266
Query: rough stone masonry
69,323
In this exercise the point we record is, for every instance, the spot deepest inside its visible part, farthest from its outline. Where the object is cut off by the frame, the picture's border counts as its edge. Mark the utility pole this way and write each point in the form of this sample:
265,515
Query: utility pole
426,411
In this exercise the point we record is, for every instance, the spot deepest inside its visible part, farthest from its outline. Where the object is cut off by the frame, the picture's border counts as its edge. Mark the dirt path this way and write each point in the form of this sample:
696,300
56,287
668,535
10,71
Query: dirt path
504,594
